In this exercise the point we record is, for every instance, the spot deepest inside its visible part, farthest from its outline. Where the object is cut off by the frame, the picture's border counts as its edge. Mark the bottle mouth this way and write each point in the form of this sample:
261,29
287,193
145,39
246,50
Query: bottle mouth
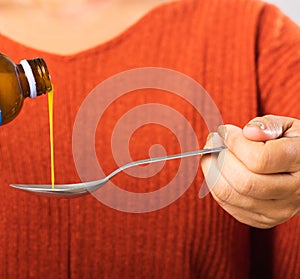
42,72
38,76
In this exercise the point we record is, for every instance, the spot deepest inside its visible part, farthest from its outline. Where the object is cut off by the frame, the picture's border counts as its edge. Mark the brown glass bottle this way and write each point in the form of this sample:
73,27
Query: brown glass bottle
30,78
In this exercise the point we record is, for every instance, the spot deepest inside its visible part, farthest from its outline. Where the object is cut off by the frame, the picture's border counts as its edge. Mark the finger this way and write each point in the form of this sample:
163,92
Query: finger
225,193
273,156
258,186
271,127
251,218
210,171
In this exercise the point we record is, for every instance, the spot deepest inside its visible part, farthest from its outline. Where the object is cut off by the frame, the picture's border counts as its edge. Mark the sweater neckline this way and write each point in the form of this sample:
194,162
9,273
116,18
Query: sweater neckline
99,48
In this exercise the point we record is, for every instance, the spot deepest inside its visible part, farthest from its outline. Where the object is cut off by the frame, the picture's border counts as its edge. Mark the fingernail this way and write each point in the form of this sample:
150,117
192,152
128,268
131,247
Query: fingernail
222,131
257,124
210,136
215,140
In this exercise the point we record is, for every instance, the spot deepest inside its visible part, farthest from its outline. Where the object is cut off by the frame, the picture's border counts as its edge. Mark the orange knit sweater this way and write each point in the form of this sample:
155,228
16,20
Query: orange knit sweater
246,55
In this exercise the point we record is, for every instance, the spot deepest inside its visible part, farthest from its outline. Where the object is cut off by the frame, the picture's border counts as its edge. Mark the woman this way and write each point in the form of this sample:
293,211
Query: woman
245,54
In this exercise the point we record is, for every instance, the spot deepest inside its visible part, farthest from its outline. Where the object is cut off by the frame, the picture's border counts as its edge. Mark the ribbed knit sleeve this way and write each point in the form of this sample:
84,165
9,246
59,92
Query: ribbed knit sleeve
278,50
279,84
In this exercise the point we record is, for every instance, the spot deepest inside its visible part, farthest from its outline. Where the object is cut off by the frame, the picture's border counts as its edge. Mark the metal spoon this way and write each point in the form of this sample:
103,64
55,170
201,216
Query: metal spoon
79,189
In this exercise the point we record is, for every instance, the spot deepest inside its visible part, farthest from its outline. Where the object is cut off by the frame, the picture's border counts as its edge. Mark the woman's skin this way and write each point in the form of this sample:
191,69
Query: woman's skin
257,180
259,175
69,26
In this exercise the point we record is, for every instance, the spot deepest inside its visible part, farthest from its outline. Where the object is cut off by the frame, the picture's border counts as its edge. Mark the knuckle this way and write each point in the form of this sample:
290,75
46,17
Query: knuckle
260,161
264,226
254,221
285,215
275,218
265,222
247,185
223,194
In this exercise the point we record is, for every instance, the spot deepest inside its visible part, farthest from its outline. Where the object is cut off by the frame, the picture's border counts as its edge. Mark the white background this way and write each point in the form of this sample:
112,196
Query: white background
289,7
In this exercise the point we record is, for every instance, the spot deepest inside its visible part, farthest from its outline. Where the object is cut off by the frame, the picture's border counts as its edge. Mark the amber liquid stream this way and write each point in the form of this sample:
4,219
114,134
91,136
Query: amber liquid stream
50,108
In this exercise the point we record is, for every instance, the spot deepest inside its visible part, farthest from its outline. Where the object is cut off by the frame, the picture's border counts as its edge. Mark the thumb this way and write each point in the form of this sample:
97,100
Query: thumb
268,127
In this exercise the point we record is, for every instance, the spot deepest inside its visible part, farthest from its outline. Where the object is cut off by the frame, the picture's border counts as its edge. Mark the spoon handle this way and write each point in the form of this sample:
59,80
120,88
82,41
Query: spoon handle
166,158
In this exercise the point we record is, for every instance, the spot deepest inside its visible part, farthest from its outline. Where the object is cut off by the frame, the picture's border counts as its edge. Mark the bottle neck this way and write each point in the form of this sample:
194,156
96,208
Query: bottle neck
37,76
23,81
